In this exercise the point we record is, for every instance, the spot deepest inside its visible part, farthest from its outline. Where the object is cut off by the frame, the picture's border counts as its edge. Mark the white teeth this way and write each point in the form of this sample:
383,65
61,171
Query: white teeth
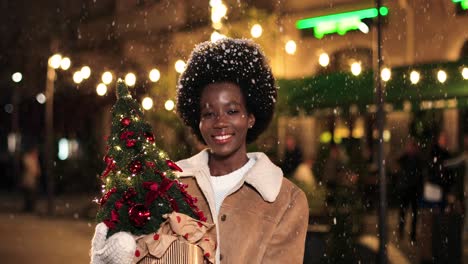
224,137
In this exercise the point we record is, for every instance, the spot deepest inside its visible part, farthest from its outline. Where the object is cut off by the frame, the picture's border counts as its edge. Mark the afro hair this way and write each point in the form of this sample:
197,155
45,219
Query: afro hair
238,61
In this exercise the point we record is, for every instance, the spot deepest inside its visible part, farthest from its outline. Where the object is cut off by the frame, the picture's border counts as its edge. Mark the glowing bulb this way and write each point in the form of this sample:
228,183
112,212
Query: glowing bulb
85,72
324,59
101,89
356,68
385,74
218,12
107,77
169,105
154,75
465,73
441,76
180,66
17,77
40,98
55,61
130,79
414,77
256,31
290,47
77,77
65,63
147,103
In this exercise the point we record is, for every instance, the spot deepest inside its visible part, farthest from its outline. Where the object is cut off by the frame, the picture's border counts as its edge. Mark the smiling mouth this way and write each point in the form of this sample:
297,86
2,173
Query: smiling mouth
222,138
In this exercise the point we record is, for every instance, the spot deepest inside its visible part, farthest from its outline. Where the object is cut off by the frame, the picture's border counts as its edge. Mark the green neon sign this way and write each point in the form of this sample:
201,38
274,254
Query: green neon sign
463,3
339,23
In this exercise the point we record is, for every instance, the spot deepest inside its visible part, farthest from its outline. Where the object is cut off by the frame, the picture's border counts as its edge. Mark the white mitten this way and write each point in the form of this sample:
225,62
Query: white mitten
117,249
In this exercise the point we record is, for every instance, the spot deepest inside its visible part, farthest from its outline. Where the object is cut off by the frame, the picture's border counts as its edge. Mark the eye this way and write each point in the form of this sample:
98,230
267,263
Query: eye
207,115
232,111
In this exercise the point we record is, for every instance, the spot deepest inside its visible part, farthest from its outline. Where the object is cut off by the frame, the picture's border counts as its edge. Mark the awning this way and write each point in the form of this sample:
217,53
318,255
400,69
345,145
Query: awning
342,89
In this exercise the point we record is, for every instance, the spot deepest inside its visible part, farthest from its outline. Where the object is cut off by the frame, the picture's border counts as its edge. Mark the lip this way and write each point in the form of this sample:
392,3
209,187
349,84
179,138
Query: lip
222,139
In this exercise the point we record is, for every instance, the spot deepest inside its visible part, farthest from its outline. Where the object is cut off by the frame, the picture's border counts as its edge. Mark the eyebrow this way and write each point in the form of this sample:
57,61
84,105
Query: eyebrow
231,103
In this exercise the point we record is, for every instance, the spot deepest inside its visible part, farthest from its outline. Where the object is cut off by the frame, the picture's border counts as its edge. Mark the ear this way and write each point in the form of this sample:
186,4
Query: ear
251,120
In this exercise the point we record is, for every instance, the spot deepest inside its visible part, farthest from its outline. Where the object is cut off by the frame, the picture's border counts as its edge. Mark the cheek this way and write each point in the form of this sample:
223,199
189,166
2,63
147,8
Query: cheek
203,127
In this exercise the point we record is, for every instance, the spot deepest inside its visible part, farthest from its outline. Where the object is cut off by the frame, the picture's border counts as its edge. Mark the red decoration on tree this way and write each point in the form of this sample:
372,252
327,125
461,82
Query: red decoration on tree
135,167
108,160
125,121
106,196
126,134
110,166
173,166
111,223
149,136
139,215
156,190
130,143
129,194
150,164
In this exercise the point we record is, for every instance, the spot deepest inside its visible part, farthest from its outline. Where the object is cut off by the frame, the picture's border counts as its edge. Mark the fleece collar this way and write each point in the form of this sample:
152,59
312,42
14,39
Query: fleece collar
264,176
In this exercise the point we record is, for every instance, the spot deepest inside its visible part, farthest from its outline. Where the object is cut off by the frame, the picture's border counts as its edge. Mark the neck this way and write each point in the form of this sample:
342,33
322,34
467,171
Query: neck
224,165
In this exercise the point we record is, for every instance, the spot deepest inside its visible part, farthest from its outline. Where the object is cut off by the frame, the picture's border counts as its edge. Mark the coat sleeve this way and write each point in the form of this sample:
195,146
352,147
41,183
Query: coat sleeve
288,241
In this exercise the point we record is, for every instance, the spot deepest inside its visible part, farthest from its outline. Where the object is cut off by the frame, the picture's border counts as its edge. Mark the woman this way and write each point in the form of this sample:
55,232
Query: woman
227,96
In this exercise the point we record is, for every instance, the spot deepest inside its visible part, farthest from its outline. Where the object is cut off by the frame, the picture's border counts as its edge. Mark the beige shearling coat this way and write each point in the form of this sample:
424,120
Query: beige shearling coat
263,219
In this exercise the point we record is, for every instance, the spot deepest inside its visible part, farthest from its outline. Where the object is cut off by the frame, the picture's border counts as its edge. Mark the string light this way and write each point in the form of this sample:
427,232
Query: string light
130,79
154,75
441,76
290,47
465,73
85,72
386,74
107,77
324,59
17,77
256,31
414,77
356,68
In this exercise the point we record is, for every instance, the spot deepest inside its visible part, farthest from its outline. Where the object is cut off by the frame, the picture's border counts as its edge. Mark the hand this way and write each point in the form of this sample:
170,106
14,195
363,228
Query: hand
118,249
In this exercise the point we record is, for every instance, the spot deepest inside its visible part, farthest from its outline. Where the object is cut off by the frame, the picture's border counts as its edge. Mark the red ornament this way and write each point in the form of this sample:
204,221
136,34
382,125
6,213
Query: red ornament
137,253
130,143
156,237
125,121
135,167
118,204
108,159
126,134
173,166
156,190
150,164
106,196
110,166
149,136
112,222
139,215
129,194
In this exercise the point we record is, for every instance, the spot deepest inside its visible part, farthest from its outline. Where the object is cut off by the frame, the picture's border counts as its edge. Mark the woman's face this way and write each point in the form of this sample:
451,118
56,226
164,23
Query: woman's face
224,120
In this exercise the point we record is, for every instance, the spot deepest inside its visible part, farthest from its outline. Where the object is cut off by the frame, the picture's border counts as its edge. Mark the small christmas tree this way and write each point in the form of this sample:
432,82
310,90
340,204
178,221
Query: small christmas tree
139,182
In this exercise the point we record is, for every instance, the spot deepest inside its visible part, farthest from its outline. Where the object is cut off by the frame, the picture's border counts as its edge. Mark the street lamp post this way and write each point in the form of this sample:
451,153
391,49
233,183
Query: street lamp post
49,145
16,77
380,100
55,62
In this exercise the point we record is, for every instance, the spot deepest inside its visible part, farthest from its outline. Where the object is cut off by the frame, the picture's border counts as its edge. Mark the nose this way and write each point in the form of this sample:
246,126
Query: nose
220,120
